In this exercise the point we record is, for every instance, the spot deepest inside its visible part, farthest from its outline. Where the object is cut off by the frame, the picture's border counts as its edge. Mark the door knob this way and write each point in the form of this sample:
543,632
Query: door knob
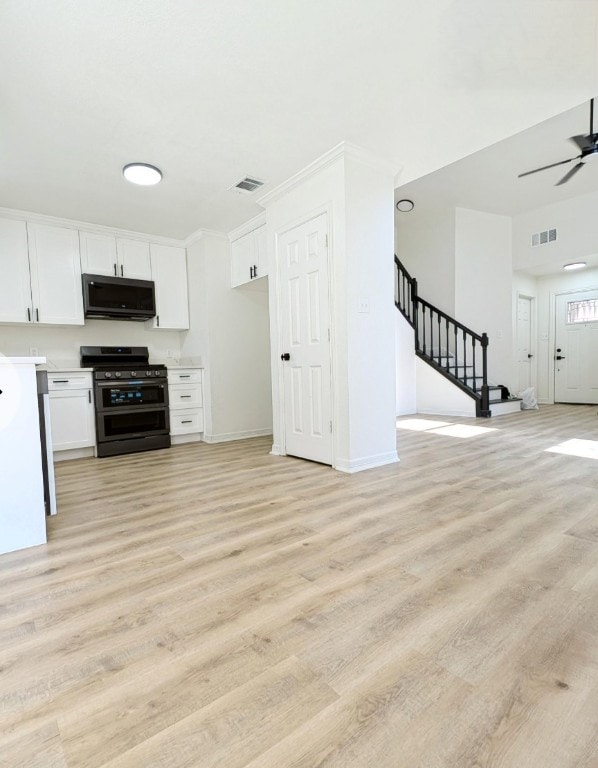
285,356
529,355
559,357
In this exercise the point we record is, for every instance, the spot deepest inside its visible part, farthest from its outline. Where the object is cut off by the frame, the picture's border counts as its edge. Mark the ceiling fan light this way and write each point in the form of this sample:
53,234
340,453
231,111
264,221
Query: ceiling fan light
142,173
575,265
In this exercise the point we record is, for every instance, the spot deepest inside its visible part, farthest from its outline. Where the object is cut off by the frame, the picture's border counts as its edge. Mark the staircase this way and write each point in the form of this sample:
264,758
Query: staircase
455,351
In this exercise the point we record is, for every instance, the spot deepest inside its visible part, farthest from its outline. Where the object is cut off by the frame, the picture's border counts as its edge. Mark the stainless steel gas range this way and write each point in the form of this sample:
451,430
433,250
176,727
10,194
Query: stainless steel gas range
131,400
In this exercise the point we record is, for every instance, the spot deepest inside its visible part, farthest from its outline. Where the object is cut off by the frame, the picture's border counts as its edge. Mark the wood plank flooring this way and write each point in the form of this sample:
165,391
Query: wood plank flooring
212,605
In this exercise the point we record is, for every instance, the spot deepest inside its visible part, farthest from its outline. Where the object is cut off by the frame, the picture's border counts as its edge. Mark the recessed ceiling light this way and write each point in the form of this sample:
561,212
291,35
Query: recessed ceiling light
405,206
142,173
575,265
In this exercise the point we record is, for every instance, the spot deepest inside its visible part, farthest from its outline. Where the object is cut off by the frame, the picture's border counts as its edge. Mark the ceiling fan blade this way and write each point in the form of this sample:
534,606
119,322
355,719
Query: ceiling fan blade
570,174
582,142
545,167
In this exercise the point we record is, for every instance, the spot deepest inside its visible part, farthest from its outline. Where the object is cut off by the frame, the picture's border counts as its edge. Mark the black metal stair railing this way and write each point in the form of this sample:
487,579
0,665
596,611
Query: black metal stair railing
457,352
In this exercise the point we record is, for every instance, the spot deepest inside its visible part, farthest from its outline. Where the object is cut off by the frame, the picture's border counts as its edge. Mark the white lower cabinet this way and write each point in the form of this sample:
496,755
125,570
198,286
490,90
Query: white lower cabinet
185,393
71,412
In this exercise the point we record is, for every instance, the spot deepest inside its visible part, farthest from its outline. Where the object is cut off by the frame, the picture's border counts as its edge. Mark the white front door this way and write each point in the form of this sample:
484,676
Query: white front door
576,348
524,342
305,334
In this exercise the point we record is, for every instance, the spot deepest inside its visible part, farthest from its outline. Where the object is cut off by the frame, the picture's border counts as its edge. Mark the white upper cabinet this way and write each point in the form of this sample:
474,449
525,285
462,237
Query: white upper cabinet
249,257
55,275
115,256
169,273
98,254
15,285
133,259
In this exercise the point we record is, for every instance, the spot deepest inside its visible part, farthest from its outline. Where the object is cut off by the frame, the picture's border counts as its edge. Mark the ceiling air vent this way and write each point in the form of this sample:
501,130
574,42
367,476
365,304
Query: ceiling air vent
248,184
542,238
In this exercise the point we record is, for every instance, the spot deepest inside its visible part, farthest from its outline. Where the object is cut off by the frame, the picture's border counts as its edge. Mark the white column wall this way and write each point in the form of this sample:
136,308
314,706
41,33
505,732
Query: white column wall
371,372
359,201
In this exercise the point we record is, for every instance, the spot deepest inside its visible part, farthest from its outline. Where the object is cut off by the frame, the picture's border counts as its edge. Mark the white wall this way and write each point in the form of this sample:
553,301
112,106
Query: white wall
437,395
483,285
425,244
406,378
576,222
230,333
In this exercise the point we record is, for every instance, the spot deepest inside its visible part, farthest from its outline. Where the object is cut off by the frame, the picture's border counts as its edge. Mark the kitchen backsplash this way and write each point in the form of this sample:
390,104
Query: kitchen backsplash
62,343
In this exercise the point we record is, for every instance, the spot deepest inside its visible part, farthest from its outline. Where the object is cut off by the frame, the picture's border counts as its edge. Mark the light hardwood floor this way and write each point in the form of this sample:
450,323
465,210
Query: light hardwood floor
212,605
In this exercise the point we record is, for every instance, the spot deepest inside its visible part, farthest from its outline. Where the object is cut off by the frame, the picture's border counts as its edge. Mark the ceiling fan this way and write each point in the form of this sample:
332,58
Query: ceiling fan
588,146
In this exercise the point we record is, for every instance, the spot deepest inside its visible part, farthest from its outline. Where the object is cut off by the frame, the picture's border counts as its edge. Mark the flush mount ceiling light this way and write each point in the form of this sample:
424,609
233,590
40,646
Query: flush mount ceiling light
405,206
575,265
142,173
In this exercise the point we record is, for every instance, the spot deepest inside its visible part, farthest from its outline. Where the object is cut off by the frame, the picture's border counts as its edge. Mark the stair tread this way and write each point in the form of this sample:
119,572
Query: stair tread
505,400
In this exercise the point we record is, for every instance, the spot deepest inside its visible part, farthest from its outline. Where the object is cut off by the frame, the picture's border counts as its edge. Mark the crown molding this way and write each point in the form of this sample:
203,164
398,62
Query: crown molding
56,221
343,150
200,234
249,226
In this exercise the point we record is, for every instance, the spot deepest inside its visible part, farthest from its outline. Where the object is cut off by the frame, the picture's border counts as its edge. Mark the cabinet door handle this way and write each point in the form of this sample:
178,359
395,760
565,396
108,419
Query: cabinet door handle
251,273
184,396
37,314
28,315
60,381
187,421
184,375
89,395
115,272
122,274
158,320
255,270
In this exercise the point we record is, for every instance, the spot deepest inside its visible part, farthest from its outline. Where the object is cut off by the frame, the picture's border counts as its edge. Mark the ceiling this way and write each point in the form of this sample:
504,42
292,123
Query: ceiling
215,90
487,180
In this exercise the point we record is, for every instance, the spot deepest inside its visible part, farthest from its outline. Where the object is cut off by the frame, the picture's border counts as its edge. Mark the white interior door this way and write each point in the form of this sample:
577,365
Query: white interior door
305,332
524,342
576,348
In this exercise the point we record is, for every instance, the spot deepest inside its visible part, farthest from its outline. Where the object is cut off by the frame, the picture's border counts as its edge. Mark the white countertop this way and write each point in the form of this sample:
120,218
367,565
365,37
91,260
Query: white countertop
22,360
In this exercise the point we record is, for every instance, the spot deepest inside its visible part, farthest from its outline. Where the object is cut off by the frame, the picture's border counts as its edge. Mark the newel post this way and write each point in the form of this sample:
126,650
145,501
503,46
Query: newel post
485,402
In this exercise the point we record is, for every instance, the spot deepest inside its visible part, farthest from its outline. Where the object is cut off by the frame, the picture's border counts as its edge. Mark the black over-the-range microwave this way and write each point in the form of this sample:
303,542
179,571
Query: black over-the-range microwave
118,298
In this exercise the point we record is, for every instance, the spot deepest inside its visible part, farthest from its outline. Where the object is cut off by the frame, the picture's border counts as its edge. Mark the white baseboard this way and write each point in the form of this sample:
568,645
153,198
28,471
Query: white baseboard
192,437
276,450
447,412
230,436
73,453
367,462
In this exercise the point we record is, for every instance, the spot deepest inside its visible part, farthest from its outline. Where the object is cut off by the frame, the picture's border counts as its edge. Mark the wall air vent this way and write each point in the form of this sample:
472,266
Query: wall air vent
248,184
544,237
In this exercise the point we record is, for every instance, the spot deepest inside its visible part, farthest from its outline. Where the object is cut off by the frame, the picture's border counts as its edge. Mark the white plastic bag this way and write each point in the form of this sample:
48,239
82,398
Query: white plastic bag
528,397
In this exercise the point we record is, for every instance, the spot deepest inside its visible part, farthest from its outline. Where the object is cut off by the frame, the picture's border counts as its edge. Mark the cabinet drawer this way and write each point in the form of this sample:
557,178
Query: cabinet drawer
183,422
58,381
189,397
184,376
